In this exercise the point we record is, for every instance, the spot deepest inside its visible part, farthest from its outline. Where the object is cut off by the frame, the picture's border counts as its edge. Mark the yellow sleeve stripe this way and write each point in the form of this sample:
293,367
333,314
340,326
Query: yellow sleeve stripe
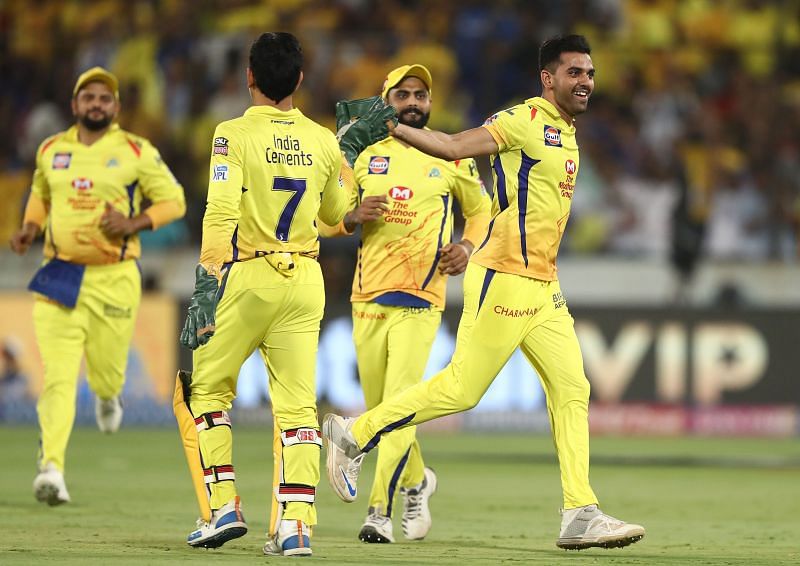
497,135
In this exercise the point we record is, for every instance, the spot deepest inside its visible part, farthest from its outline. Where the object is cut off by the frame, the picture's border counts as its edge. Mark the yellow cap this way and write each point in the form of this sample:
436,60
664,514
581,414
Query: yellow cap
397,75
97,74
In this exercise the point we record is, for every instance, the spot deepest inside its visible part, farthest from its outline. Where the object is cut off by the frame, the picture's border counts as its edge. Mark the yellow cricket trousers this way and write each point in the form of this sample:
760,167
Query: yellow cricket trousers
392,349
263,309
502,312
101,326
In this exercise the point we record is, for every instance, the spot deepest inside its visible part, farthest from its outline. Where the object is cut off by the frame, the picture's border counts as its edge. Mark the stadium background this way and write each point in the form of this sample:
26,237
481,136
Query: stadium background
681,259
680,264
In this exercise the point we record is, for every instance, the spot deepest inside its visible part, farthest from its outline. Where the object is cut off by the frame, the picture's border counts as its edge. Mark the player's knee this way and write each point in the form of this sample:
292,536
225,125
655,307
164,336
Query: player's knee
469,399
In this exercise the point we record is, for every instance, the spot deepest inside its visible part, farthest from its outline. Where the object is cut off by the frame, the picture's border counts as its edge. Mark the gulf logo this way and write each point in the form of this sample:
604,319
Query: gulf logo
378,165
552,136
401,193
62,160
82,184
570,166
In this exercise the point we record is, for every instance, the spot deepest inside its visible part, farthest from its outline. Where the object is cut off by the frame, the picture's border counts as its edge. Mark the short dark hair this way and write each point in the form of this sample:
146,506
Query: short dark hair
551,50
276,60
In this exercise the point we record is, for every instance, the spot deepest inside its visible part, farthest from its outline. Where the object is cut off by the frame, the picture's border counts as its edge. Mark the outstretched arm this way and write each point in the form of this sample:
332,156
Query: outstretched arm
469,143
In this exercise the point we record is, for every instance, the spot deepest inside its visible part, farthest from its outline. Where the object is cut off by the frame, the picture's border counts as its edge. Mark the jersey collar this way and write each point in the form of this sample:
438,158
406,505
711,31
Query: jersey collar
72,133
264,110
547,107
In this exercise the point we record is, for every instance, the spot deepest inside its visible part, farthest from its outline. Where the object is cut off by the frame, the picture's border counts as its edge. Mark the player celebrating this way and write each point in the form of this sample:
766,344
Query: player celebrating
404,205
88,189
512,297
259,286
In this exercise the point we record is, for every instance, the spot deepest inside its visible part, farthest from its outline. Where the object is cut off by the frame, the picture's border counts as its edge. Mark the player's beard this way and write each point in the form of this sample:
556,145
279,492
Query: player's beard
95,125
414,117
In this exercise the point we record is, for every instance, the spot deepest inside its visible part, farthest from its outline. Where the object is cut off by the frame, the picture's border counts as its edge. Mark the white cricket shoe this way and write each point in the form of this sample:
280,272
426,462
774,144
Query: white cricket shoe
108,413
377,528
344,457
585,527
49,486
227,523
292,539
416,513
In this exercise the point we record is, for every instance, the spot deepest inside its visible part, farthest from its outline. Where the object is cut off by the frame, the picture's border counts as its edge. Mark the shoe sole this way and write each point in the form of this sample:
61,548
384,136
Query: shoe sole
220,538
612,543
330,459
48,493
371,535
305,551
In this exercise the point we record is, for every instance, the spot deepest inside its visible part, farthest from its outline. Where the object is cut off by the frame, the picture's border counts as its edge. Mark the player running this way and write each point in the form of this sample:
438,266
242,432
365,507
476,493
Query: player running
512,297
404,203
88,192
259,286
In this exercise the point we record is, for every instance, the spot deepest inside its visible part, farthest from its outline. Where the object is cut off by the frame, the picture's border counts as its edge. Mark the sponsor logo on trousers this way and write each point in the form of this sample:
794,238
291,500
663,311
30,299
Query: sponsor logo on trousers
370,315
514,313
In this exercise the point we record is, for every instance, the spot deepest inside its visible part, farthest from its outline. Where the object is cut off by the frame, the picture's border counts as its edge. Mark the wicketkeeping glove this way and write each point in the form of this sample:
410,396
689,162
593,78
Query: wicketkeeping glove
200,320
361,123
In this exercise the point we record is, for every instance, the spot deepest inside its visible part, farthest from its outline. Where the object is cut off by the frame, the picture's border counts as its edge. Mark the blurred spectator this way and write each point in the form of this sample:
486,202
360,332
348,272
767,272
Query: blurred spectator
646,204
674,77
738,222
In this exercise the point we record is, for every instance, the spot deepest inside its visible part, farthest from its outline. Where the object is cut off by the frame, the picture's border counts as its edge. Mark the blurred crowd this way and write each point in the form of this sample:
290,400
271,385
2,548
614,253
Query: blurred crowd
690,148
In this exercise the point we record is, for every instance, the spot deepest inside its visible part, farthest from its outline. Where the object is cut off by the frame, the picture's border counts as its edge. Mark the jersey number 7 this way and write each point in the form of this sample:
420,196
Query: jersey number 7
298,188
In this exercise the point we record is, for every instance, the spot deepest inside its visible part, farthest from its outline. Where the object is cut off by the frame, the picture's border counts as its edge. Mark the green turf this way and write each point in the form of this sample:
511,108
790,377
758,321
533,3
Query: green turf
703,501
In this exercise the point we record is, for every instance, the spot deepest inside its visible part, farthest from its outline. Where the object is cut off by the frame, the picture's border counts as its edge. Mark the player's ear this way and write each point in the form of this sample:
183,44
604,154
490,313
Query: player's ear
299,81
251,81
546,78
74,105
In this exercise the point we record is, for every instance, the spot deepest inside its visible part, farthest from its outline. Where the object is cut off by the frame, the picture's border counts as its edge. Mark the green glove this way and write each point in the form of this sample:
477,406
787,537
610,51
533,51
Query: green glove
369,127
351,110
200,320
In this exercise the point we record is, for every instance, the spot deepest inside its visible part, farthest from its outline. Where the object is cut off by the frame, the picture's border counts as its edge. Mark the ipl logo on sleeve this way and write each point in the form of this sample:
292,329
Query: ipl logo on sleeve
220,173
378,165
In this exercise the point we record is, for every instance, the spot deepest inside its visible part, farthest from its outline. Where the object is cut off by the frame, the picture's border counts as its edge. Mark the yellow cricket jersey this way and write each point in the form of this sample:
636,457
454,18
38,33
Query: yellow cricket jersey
400,250
272,173
73,182
534,174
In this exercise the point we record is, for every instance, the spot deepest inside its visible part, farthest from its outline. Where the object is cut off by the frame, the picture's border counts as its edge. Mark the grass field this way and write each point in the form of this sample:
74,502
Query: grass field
703,501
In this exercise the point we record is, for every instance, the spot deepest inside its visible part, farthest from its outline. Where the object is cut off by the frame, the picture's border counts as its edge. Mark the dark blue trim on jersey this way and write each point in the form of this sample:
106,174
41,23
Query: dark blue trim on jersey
234,243
388,428
226,270
488,233
446,203
522,200
401,299
131,209
393,482
487,279
52,239
502,195
360,243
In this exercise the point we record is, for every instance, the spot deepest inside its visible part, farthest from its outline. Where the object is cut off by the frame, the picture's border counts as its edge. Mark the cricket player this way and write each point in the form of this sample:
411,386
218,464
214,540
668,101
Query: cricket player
512,297
404,204
259,286
86,196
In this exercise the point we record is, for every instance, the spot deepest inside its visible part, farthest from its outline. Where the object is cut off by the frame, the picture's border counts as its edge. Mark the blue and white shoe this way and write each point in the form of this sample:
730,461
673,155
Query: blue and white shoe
344,457
292,539
227,523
